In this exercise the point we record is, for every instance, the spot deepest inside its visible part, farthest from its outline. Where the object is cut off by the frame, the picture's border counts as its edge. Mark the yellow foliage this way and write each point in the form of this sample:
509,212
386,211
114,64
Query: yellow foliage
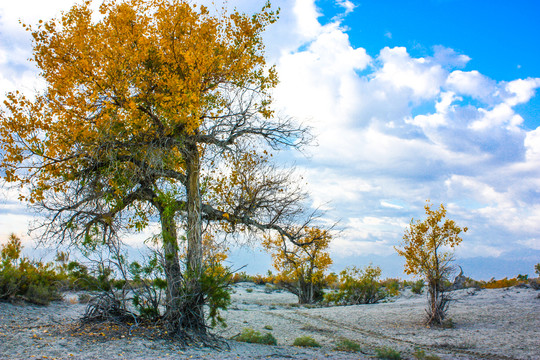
503,283
146,71
423,242
306,262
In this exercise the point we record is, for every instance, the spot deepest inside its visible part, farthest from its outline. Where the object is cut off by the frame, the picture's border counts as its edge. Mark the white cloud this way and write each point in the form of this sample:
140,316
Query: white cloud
399,70
471,83
521,90
461,152
347,5
468,250
531,243
449,57
306,18
439,118
501,114
390,205
332,92
532,144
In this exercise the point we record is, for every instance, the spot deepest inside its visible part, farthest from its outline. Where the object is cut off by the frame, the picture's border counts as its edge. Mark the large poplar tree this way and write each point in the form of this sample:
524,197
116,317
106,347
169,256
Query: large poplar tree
152,109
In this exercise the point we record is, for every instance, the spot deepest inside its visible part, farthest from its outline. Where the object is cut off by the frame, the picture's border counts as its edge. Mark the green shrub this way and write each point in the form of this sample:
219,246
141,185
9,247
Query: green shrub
388,353
392,286
421,355
417,287
270,288
32,281
347,345
537,269
306,341
215,283
268,327
252,336
358,286
249,290
80,277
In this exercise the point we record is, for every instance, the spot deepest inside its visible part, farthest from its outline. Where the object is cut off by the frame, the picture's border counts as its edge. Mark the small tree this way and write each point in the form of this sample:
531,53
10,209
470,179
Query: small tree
301,268
423,248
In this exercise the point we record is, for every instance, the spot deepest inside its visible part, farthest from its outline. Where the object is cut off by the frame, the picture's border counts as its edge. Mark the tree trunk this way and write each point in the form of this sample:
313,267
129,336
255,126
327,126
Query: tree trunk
173,273
194,296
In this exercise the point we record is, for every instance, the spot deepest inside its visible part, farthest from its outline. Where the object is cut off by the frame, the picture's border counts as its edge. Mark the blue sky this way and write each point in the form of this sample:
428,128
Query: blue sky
409,101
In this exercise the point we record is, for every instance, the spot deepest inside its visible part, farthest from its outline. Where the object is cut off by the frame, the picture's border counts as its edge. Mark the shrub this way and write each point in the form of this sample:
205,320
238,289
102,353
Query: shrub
503,283
259,279
347,345
249,290
241,277
358,286
81,278
537,269
252,336
392,286
306,341
417,287
421,355
32,281
269,288
388,353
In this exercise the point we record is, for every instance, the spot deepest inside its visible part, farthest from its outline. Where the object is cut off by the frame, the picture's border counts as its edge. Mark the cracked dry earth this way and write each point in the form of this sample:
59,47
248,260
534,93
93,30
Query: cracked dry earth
489,324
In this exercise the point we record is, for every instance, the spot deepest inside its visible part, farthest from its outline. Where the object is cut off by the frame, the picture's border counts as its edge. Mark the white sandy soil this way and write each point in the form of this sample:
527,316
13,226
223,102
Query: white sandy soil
489,324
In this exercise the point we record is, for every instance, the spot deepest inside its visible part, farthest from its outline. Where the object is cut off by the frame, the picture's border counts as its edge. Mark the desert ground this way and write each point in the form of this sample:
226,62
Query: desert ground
488,324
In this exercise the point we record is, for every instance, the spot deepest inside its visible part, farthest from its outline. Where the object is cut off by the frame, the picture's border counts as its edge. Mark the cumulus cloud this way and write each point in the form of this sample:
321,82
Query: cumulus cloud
472,83
423,77
411,128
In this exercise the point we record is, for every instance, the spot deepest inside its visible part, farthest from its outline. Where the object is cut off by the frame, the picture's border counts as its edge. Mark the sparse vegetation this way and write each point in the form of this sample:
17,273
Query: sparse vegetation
253,336
504,283
391,286
306,341
387,353
417,287
24,279
347,345
358,286
421,355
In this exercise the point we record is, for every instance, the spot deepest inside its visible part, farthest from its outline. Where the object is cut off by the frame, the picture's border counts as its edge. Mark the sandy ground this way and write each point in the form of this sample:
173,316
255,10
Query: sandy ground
489,324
